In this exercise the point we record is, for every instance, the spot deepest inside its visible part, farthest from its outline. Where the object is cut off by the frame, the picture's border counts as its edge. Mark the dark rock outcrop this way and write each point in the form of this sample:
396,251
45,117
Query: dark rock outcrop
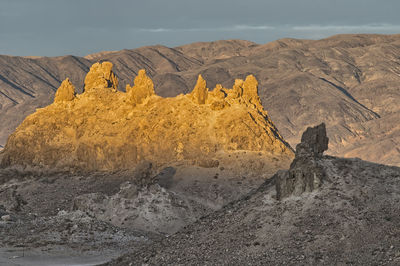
305,173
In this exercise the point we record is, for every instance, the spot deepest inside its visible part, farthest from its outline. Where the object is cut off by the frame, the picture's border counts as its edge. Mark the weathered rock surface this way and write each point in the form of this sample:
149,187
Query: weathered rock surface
305,173
66,92
142,89
105,129
313,142
200,91
101,76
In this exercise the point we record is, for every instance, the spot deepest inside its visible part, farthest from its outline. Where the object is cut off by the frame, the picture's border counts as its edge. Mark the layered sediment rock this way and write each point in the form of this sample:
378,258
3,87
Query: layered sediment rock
106,129
305,173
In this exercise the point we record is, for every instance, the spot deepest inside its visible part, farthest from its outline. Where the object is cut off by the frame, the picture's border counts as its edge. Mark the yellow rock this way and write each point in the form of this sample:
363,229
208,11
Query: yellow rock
250,90
66,92
101,76
142,89
238,88
102,130
200,91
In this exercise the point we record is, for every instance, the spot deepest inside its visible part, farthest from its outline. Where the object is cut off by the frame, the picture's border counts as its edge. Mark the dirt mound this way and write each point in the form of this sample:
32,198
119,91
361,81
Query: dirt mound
105,129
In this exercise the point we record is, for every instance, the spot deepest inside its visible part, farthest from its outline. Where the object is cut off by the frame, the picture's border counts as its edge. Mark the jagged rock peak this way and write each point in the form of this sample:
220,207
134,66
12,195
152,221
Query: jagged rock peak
66,92
313,142
238,88
305,173
250,90
200,91
143,88
101,76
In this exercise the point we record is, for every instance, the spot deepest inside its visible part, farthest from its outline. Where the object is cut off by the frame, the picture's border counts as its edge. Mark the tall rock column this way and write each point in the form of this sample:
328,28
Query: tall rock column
142,89
305,173
66,92
200,91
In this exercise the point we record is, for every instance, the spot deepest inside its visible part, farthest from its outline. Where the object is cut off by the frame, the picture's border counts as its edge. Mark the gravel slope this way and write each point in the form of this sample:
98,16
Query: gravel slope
352,219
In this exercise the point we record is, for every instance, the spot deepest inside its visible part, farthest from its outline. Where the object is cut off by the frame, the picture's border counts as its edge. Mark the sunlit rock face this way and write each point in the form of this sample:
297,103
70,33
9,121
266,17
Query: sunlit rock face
66,92
104,129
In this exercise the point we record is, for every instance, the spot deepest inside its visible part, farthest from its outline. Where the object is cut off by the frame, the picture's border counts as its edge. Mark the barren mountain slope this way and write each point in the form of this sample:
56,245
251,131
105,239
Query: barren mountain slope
348,81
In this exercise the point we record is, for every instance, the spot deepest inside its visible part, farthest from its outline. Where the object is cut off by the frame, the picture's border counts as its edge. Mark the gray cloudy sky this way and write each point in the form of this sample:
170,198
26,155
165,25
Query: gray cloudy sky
80,27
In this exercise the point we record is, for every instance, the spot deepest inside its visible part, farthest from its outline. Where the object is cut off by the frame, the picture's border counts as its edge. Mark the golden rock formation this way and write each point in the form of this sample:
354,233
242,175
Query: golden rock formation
101,76
106,129
142,89
250,90
66,92
200,91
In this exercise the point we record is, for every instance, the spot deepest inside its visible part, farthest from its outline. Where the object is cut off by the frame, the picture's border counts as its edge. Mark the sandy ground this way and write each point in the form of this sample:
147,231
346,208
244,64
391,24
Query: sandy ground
64,257
75,219
353,219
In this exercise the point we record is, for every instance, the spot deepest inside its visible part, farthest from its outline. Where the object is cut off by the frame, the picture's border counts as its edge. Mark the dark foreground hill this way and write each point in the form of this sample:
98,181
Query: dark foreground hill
349,81
323,211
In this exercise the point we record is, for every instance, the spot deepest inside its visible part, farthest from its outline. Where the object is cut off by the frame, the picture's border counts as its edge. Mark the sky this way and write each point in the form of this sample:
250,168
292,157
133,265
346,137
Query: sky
81,27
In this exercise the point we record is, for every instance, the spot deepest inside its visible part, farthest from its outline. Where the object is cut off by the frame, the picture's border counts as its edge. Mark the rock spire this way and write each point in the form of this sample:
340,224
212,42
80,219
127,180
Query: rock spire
200,91
66,92
142,89
305,173
101,76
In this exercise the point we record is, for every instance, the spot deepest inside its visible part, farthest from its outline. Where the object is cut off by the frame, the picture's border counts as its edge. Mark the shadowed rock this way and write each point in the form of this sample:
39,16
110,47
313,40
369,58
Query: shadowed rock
305,173
313,142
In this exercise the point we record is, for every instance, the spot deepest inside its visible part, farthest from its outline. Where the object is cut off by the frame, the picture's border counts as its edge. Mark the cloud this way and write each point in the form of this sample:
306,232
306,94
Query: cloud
156,30
216,29
348,28
249,27
384,28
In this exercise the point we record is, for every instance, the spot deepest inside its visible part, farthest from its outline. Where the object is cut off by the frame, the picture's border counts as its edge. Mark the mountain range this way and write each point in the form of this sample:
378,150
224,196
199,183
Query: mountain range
350,82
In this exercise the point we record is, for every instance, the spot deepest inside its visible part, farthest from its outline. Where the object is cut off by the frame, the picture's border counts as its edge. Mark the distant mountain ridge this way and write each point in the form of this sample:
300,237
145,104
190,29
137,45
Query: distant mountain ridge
350,82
